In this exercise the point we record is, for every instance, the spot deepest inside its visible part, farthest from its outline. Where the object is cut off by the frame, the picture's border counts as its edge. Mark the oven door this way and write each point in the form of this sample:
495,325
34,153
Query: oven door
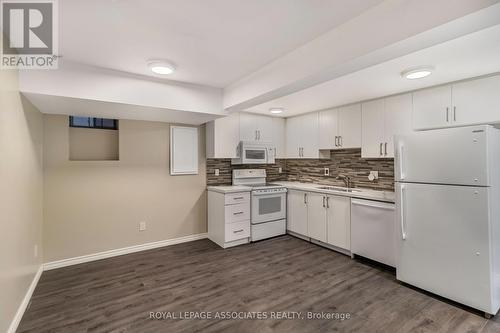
254,155
268,207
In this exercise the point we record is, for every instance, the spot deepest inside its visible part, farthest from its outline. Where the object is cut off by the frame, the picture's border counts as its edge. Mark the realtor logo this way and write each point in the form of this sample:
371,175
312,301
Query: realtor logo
29,37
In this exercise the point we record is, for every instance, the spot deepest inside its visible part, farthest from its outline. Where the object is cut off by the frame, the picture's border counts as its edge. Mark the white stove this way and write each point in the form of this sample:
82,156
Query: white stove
268,203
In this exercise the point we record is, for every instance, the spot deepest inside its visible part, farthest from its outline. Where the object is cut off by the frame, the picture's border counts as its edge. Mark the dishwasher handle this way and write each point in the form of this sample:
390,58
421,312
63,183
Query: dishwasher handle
373,204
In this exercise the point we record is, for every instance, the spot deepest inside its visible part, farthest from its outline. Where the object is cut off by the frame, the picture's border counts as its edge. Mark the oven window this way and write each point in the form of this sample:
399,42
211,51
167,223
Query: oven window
255,154
269,205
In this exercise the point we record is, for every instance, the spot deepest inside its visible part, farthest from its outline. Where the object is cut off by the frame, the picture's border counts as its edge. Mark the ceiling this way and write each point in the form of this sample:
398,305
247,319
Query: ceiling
465,57
212,42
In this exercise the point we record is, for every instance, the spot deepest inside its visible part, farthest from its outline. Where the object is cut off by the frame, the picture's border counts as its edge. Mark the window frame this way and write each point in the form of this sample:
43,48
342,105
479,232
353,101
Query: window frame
94,126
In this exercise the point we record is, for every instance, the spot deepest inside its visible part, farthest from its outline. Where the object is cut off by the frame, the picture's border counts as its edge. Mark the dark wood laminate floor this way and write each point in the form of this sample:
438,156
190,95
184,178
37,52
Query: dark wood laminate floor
280,274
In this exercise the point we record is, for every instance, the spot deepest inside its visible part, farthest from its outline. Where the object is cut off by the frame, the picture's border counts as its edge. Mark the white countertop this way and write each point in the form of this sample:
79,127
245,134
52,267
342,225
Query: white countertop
229,188
360,193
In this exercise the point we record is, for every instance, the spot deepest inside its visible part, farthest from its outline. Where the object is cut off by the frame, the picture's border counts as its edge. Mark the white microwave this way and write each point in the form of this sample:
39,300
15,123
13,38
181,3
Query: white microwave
250,152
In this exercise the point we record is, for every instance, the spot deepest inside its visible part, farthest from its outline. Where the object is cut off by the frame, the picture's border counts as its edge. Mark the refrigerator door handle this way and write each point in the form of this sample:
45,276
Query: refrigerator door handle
402,212
401,159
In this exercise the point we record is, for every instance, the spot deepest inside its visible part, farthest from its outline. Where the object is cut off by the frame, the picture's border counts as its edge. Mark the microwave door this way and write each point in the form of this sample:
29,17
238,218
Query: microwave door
255,155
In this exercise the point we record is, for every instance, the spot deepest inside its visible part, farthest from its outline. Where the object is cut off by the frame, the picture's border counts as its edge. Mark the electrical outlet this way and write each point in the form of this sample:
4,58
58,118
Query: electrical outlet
142,226
280,170
35,251
217,172
327,172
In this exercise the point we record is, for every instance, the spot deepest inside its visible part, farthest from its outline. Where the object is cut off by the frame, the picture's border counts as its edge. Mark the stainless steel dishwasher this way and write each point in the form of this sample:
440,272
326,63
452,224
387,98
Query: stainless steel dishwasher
373,225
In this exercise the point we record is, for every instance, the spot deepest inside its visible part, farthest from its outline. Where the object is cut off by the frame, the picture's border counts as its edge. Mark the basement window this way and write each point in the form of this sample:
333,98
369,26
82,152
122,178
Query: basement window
91,122
87,144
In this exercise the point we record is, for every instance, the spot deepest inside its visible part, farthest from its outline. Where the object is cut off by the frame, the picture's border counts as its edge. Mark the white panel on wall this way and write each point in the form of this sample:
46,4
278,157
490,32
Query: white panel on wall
183,150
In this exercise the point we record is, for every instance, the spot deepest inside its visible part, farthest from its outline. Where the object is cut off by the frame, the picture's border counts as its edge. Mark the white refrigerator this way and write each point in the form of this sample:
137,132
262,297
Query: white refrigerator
447,211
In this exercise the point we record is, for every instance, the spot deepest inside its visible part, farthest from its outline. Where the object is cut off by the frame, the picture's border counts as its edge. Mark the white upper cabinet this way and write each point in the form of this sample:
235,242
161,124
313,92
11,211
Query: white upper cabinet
432,107
223,136
340,128
470,102
278,137
249,124
349,127
397,120
328,128
254,127
476,101
302,136
373,128
381,120
309,135
292,137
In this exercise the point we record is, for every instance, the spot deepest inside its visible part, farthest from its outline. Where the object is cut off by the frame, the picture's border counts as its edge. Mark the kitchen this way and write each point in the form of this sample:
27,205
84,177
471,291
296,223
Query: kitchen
306,166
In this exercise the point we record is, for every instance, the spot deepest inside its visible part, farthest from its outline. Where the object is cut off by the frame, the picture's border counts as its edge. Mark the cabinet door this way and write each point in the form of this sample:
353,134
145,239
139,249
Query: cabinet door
397,120
476,101
297,212
350,126
308,129
249,126
316,216
328,128
432,108
339,221
265,127
293,137
278,137
372,125
223,136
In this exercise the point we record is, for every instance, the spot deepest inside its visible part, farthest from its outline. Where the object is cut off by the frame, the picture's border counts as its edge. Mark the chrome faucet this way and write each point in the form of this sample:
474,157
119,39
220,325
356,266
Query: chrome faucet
347,180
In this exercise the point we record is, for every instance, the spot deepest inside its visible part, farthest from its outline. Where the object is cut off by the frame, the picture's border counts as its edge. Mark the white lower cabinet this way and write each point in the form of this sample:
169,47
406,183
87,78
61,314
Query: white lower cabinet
316,216
338,221
229,218
297,212
322,217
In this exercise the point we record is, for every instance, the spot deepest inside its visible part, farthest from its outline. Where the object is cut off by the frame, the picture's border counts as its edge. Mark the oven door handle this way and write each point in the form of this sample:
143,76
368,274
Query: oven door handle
274,194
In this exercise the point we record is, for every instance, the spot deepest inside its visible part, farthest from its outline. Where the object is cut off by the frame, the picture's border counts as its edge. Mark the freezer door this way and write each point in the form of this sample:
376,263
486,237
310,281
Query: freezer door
443,241
455,156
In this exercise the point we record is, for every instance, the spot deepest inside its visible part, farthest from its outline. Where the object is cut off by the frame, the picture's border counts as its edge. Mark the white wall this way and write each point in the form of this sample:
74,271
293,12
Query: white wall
21,191
95,206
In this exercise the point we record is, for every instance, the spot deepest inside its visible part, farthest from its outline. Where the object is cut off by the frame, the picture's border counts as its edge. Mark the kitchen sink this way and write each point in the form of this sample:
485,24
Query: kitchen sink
339,189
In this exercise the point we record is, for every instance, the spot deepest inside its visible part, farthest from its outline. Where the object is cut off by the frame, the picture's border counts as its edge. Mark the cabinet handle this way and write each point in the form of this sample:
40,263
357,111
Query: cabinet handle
340,141
324,205
237,231
237,213
336,141
381,144
454,113
259,135
327,202
447,114
305,198
385,148
238,198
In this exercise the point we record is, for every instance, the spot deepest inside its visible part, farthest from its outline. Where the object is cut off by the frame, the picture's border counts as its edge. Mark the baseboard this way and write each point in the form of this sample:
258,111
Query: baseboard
25,302
118,252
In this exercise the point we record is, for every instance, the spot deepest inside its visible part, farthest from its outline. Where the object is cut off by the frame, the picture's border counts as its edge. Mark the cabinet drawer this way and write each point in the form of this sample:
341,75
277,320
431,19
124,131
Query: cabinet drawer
236,198
238,230
237,213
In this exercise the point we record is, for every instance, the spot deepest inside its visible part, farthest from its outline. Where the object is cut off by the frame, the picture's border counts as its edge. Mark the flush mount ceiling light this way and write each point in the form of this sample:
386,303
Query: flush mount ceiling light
161,67
417,72
276,110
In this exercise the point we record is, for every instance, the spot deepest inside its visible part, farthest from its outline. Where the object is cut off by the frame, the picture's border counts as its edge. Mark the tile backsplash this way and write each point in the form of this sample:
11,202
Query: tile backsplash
346,162
226,170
